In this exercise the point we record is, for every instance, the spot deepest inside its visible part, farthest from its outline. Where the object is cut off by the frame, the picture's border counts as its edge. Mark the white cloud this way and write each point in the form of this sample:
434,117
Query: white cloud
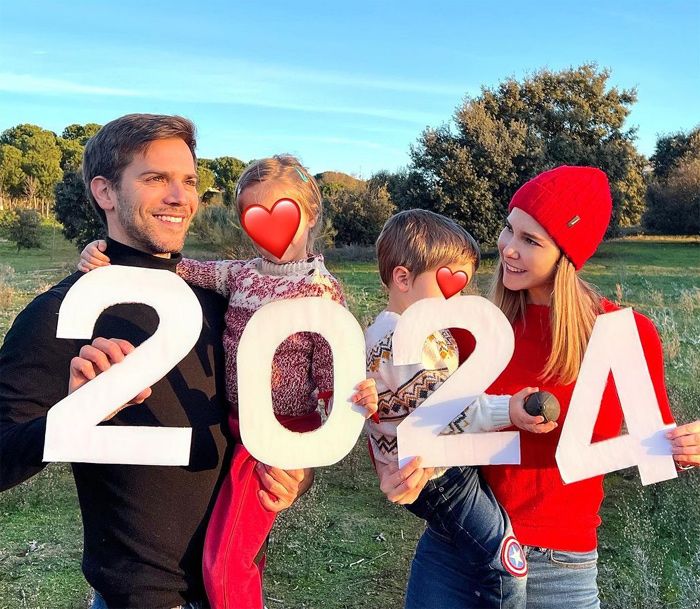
25,83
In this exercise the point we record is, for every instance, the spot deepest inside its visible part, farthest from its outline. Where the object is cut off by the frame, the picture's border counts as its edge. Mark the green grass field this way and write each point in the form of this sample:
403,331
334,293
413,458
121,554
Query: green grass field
343,546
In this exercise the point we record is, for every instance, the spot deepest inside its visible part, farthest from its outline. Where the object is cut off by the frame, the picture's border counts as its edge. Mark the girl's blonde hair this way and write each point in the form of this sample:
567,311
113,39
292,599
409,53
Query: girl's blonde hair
574,308
302,186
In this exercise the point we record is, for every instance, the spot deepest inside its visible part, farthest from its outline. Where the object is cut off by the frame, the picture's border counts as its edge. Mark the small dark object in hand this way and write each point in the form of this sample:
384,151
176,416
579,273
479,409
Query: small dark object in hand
543,404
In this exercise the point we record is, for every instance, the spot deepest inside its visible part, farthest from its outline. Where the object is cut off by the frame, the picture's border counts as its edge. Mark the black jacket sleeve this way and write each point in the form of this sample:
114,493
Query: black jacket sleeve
34,372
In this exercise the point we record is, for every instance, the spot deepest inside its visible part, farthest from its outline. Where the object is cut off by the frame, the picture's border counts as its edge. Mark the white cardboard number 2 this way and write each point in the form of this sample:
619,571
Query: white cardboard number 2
72,433
419,432
615,346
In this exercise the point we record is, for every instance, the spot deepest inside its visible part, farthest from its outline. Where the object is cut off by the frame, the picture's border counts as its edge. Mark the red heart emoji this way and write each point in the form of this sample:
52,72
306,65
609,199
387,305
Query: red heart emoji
274,229
450,283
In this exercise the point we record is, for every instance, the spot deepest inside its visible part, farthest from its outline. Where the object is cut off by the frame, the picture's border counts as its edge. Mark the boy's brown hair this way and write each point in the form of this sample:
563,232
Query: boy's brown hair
422,240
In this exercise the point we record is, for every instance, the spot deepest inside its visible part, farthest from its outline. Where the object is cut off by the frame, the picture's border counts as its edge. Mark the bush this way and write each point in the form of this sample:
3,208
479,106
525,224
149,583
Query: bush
220,227
25,230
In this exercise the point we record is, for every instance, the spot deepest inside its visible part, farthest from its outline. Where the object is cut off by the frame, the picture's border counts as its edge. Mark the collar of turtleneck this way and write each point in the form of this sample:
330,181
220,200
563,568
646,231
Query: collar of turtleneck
128,256
300,267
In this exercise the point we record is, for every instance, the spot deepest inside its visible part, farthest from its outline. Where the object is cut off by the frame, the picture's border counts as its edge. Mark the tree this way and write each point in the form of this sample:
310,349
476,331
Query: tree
358,214
12,178
673,194
206,177
227,170
71,153
470,169
81,224
80,133
672,150
41,156
25,231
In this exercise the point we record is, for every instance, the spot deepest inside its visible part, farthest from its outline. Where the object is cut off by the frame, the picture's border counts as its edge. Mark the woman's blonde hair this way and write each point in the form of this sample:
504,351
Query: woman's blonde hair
574,308
302,186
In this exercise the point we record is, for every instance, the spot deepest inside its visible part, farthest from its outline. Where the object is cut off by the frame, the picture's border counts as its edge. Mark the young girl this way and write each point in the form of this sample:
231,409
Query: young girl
556,221
302,373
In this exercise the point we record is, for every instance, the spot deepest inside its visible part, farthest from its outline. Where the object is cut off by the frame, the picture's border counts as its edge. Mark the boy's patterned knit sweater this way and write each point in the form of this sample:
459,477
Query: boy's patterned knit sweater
402,389
302,369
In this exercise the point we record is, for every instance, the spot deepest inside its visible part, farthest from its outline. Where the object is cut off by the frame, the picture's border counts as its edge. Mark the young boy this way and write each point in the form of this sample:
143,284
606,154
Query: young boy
463,517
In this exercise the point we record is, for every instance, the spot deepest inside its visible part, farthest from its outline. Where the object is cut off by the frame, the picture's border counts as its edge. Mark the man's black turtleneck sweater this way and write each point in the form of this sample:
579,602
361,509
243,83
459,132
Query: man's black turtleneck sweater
144,525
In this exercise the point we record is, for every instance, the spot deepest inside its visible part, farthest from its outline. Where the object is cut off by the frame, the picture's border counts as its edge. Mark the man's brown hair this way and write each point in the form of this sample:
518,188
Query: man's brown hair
422,240
112,148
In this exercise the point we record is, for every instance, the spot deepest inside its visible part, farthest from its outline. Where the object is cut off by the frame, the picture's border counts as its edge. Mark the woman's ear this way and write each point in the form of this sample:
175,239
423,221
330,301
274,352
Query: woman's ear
402,278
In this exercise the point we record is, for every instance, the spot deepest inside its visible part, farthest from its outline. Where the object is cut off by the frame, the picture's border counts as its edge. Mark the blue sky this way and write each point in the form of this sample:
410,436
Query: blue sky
346,86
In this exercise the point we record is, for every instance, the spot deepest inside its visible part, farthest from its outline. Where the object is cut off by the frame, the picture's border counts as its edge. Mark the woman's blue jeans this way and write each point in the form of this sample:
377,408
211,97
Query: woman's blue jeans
440,579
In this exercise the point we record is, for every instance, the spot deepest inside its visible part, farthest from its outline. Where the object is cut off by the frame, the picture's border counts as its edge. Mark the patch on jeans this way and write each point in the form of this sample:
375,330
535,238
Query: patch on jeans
513,557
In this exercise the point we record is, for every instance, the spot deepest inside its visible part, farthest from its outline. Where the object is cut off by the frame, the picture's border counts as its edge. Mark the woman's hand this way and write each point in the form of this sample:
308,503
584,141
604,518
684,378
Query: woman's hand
520,417
685,444
92,256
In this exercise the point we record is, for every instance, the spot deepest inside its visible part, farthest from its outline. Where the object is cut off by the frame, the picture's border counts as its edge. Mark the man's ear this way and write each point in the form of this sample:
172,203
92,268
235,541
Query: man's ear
402,278
101,189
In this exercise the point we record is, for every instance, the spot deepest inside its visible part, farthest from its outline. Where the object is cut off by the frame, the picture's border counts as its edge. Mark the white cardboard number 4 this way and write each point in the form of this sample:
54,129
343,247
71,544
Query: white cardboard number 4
615,347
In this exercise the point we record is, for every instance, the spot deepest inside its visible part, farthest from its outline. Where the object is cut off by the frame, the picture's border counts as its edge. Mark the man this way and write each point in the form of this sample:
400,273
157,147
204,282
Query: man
144,525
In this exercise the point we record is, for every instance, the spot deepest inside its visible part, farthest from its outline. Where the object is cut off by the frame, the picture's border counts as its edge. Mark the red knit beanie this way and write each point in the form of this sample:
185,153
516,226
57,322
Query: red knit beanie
574,206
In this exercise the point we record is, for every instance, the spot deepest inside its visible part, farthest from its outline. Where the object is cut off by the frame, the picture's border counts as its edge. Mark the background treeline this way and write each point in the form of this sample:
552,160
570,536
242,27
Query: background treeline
467,168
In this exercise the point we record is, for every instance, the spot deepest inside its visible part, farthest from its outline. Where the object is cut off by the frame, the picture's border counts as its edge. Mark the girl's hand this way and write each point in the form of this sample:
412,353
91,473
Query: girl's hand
403,485
366,396
521,419
685,443
92,257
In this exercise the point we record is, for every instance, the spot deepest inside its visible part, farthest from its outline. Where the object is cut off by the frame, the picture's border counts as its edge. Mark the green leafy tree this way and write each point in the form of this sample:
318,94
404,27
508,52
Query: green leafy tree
71,153
41,156
206,177
672,150
80,133
358,214
673,195
469,169
227,170
81,224
25,231
12,177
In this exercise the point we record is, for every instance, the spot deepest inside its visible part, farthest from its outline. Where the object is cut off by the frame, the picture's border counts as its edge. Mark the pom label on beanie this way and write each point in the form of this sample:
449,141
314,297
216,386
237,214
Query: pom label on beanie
573,221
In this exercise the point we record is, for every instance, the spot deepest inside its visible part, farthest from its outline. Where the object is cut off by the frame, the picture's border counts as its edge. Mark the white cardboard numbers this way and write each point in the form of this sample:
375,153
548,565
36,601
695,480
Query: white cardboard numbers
419,432
615,346
262,434
71,427
72,433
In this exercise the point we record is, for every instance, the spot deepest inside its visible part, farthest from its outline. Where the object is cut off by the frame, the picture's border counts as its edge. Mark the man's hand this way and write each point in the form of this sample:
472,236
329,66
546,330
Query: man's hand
405,484
98,357
520,417
282,487
685,443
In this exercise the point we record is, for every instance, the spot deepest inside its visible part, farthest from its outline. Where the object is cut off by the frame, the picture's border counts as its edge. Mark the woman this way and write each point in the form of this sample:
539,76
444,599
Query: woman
556,221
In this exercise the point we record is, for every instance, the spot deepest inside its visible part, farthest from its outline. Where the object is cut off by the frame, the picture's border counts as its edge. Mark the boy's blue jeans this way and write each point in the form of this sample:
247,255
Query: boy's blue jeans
468,533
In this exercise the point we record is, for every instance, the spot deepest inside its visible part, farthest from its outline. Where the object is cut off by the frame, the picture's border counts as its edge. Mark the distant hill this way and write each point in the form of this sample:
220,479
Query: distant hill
337,177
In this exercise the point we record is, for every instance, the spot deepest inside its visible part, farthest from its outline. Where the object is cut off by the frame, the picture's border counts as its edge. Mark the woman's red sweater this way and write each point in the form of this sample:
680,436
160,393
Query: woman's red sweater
544,511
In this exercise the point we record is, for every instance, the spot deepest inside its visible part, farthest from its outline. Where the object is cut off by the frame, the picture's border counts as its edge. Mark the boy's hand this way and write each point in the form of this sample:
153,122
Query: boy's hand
521,419
92,257
403,485
366,396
